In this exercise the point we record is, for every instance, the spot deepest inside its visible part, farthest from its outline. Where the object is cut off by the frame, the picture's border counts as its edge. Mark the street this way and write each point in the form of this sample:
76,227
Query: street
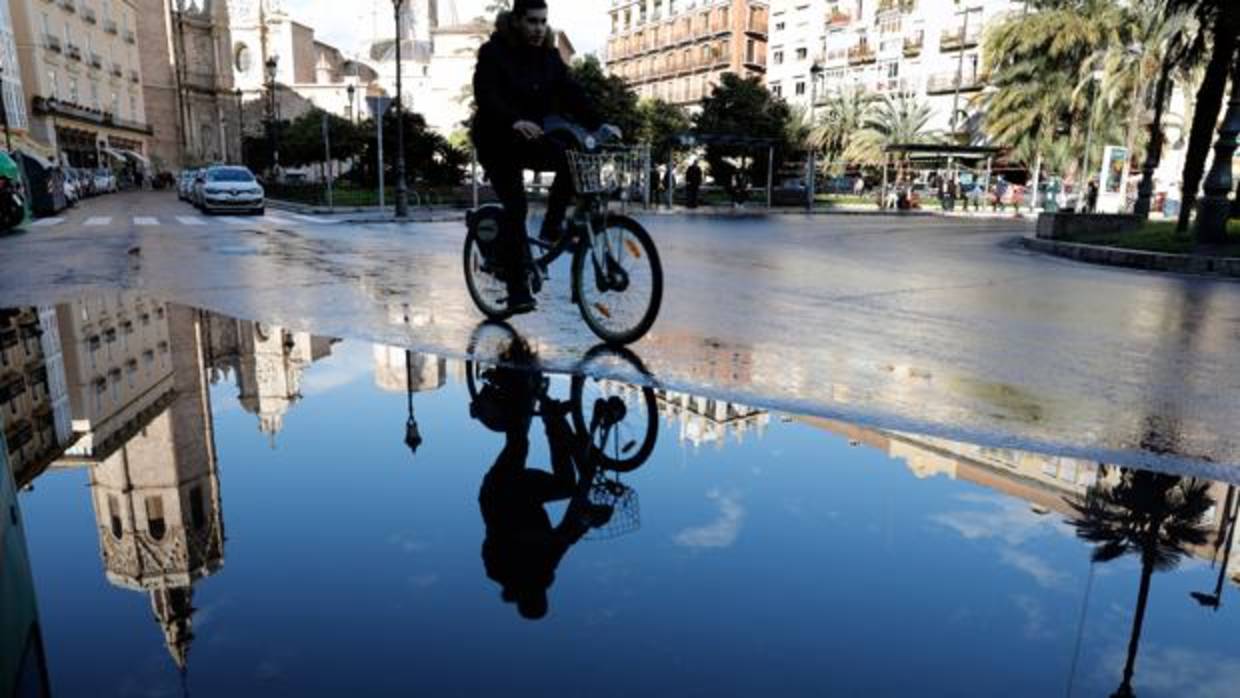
925,324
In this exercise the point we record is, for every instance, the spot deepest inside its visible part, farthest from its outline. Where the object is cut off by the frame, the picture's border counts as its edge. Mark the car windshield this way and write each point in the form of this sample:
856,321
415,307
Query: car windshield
230,175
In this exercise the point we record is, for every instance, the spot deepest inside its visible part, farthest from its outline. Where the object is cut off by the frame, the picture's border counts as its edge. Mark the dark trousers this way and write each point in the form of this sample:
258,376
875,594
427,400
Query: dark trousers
507,175
691,194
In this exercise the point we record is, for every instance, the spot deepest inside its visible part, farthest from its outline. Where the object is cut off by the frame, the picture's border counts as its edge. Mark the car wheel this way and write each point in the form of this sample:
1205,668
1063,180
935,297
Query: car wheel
260,211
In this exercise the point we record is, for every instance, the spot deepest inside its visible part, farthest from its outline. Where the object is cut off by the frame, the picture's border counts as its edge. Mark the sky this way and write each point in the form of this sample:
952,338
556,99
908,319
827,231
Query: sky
348,25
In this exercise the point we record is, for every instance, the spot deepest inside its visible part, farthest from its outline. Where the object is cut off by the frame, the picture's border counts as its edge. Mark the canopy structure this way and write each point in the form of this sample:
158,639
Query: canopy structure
114,153
137,157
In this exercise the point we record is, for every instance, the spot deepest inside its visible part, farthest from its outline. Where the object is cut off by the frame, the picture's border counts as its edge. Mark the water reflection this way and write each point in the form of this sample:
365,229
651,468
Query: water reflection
23,663
613,432
121,388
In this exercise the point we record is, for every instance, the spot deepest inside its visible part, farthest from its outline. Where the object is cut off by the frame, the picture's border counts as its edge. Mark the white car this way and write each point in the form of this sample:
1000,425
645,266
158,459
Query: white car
72,195
229,188
185,185
105,181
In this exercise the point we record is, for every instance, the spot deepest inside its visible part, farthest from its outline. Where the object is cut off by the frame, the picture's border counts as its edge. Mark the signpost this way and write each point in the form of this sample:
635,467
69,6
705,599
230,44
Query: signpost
378,107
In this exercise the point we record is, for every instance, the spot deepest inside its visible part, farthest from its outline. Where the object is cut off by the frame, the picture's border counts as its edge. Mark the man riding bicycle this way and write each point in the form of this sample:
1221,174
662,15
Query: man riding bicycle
519,81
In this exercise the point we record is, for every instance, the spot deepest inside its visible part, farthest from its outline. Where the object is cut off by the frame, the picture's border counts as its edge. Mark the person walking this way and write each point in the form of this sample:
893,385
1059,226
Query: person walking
693,183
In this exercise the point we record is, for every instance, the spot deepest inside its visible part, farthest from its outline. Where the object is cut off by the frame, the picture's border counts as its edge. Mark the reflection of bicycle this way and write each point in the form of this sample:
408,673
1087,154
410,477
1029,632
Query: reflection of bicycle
617,278
615,424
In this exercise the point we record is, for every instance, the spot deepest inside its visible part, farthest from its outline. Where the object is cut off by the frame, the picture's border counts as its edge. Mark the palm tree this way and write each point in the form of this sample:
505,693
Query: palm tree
1221,21
1153,515
893,120
843,114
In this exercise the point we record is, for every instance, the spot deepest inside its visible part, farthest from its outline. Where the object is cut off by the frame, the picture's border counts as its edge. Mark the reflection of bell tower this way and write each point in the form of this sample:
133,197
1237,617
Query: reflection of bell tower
157,497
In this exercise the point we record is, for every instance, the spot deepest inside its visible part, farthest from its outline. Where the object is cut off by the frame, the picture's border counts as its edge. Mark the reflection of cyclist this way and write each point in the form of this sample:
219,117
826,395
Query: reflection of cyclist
522,549
520,80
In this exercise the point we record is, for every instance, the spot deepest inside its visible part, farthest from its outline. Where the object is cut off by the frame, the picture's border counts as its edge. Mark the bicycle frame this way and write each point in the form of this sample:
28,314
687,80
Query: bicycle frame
580,233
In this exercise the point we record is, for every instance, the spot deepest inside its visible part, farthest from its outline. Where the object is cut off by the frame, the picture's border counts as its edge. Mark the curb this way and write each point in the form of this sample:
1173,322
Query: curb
1221,267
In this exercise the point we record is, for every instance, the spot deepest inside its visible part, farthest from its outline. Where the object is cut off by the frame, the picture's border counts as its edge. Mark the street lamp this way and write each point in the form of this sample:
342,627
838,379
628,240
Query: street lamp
1214,600
413,436
402,196
271,65
815,71
352,108
240,129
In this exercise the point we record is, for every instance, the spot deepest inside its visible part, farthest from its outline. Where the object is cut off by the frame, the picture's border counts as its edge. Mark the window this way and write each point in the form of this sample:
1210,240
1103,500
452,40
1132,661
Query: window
52,85
779,26
114,516
777,89
779,58
802,53
155,517
73,90
197,510
94,96
800,88
133,105
47,25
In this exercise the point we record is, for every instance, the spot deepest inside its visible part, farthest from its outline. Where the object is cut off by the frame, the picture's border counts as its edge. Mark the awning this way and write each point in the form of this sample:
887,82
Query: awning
116,154
27,144
37,157
137,157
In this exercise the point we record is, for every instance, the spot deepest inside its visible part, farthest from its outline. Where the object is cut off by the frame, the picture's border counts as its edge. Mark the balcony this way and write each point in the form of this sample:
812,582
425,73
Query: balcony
129,37
133,77
116,70
96,61
956,39
905,6
861,54
69,5
945,83
839,18
88,14
913,44
109,26
72,51
51,43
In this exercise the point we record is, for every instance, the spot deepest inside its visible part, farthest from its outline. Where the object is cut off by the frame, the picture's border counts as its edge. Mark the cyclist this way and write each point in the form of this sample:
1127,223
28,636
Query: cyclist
519,81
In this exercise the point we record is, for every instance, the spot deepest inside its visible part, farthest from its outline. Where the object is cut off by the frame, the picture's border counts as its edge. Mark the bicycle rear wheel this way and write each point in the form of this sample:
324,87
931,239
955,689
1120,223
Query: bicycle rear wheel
619,292
629,412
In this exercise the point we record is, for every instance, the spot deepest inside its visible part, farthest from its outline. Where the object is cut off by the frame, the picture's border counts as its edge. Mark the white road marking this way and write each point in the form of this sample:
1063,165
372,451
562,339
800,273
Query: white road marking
277,220
240,222
311,219
99,220
145,220
191,220
47,222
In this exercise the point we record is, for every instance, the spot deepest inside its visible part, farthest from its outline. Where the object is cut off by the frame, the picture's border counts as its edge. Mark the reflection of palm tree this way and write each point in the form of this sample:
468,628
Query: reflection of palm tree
1149,514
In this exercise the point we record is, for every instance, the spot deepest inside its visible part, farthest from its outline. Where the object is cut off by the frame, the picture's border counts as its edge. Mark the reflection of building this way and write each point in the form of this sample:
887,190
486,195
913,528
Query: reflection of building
33,397
703,420
678,51
268,361
395,373
1048,483
153,477
23,664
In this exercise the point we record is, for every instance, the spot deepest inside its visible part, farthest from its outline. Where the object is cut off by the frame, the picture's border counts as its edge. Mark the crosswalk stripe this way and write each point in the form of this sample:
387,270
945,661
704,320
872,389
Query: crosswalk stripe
190,220
310,219
277,219
145,220
239,222
99,220
45,222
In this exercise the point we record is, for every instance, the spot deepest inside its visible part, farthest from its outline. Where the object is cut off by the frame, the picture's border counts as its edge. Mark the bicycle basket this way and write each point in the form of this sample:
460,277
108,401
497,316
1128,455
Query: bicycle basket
607,171
625,514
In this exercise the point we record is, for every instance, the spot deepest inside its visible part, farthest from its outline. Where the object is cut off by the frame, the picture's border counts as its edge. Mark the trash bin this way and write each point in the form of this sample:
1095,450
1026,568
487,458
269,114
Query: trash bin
47,190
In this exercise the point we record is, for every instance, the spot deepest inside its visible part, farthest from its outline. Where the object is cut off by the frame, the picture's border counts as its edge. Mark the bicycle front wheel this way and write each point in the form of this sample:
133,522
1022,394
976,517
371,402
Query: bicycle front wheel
619,289
483,275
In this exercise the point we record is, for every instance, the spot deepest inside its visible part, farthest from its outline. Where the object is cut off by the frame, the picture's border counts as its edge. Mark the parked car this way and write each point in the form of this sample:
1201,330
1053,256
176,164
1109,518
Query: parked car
70,184
105,181
229,188
185,185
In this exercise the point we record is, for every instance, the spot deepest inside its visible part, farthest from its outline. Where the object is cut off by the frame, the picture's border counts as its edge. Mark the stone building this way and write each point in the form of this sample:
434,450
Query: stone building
188,85
34,401
82,74
678,50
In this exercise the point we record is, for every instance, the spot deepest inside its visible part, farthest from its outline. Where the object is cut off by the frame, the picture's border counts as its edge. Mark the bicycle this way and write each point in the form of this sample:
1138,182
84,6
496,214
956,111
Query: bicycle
614,423
617,277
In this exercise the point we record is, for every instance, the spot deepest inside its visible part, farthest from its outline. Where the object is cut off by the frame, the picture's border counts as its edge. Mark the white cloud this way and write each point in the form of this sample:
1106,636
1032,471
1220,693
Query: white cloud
1008,519
1041,570
721,532
1035,618
1175,671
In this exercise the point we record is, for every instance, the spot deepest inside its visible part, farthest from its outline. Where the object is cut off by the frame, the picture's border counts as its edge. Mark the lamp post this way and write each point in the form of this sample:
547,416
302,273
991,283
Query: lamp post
271,65
402,195
413,436
352,91
240,128
815,71
1095,76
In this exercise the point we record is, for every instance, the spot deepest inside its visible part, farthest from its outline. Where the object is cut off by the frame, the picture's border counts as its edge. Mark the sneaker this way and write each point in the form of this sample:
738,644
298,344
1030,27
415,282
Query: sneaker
520,301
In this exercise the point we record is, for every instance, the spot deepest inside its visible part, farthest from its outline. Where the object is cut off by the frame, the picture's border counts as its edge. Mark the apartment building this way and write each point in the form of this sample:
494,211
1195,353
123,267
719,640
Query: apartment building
927,48
82,79
678,50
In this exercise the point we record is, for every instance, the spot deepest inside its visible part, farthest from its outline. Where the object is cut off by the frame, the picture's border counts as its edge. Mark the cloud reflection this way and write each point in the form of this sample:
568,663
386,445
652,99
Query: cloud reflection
720,533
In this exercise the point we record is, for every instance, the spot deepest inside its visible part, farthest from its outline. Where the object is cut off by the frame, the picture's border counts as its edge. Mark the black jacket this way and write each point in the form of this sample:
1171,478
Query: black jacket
517,82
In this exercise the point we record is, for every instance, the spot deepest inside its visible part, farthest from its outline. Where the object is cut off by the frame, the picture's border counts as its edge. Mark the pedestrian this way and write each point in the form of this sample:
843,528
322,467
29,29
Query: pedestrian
1001,192
1091,197
693,183
859,186
656,184
669,185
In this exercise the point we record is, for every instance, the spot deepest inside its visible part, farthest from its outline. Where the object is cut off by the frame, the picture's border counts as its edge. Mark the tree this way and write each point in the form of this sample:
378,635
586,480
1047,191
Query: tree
431,160
1221,21
843,115
1152,515
301,141
661,124
742,108
610,94
893,120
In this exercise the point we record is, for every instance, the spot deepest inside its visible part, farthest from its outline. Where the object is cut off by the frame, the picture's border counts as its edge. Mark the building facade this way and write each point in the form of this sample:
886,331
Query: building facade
184,45
930,49
81,75
678,50
14,99
34,400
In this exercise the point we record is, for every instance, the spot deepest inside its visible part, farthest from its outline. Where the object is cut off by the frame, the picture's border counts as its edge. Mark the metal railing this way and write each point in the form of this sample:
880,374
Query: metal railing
52,42
942,83
957,38
88,14
109,26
